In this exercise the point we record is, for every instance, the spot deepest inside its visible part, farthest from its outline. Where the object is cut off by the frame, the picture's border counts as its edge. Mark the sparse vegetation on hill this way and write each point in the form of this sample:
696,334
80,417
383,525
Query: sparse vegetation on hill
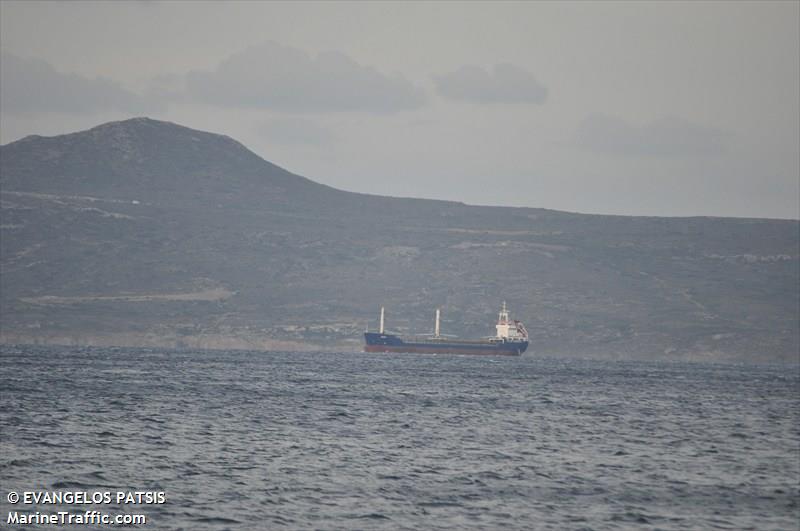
146,232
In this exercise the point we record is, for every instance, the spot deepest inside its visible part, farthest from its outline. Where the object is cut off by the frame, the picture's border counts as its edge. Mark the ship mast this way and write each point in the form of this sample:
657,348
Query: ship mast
381,319
436,329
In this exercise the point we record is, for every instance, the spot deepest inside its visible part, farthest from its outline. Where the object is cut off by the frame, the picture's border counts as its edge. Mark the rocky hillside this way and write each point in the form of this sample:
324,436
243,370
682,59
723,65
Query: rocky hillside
148,233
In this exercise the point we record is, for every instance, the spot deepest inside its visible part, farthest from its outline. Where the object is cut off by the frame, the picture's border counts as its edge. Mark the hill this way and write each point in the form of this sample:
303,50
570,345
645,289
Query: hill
144,232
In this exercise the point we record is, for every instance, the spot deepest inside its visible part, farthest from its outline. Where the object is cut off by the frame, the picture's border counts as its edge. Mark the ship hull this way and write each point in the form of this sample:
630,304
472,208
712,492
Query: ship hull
391,343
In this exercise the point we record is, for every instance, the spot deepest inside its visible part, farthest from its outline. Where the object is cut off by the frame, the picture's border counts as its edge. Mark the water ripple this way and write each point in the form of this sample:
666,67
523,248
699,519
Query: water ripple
346,441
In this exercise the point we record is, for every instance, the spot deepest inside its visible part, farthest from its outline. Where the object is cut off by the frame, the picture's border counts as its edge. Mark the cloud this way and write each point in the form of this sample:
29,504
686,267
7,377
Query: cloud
506,83
294,131
271,76
667,137
31,85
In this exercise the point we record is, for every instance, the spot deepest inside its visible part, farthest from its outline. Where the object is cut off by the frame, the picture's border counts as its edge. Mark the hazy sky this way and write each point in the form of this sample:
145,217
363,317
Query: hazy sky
627,108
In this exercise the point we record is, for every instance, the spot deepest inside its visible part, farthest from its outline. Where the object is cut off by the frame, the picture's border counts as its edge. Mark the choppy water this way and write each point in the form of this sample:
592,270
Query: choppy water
365,441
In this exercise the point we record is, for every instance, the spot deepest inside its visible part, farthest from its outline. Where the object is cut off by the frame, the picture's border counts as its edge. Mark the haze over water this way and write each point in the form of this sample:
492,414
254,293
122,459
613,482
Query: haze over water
365,441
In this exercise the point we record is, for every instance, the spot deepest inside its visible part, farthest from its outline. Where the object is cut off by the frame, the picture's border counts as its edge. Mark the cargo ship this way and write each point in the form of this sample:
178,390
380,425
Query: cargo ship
511,339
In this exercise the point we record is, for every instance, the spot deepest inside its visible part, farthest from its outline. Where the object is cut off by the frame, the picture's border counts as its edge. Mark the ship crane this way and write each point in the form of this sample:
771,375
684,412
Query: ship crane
437,328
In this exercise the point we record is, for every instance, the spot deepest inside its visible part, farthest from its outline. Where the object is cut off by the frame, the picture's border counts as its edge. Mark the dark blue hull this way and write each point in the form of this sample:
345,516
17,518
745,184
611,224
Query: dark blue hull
375,342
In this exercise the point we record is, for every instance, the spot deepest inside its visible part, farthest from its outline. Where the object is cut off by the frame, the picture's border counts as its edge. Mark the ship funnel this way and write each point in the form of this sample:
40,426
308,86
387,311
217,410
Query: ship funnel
436,329
382,319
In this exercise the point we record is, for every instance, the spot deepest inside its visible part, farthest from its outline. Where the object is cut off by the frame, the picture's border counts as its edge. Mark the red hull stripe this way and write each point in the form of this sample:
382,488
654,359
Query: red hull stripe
424,350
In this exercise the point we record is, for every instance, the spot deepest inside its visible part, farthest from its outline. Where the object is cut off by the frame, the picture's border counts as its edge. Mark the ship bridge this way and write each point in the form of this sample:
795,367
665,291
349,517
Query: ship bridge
508,329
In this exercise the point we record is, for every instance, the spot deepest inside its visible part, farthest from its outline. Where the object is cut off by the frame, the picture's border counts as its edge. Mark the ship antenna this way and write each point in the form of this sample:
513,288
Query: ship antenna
381,319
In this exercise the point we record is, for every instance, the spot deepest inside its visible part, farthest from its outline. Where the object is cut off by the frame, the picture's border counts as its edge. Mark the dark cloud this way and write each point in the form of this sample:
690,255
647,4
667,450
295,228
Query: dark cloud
667,137
506,83
271,76
33,85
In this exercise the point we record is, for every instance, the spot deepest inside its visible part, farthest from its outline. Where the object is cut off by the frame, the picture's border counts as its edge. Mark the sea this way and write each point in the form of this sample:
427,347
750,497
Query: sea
326,440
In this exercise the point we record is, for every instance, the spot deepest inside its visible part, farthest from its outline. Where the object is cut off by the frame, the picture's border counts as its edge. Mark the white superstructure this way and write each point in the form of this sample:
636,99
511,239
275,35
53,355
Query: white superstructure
508,329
